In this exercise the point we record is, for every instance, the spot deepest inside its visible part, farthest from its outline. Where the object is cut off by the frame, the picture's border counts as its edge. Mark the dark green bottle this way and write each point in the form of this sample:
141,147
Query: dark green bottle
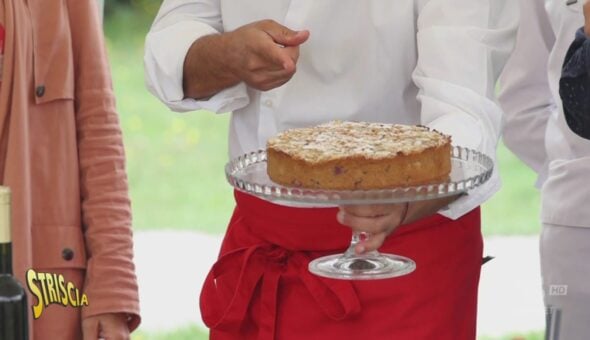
13,299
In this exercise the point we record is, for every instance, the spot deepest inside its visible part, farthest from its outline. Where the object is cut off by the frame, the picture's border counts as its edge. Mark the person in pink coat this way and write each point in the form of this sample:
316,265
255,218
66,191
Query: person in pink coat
62,155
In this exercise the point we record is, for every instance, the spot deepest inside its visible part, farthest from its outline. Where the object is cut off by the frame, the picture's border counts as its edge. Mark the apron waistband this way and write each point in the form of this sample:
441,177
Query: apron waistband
308,229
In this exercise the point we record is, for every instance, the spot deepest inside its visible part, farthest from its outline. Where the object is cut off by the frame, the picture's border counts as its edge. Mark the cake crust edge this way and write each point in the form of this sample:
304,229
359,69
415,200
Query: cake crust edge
432,165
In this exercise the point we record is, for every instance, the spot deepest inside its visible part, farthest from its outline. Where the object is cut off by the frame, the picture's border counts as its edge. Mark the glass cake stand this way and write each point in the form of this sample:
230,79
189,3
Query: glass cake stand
247,173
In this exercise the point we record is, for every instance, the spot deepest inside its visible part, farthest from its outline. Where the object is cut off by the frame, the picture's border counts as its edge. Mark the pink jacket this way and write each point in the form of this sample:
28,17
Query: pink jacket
64,161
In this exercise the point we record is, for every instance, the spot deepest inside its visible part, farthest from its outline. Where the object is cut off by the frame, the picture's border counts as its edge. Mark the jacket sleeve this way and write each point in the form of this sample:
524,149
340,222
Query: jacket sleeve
525,93
574,85
462,47
110,284
178,24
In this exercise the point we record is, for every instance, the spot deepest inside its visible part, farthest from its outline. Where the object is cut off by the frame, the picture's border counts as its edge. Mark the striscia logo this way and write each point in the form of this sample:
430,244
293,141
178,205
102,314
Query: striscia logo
51,288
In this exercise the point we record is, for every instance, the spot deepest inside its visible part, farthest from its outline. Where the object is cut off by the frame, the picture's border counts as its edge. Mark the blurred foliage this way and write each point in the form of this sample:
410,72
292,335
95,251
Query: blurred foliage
175,161
146,7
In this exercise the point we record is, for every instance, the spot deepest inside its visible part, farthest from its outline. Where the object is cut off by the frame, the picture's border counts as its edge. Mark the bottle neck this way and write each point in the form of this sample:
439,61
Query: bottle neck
5,258
5,232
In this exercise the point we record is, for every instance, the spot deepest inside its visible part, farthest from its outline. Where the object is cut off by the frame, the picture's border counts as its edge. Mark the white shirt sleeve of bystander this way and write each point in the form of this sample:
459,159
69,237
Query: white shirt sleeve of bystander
178,24
462,47
525,94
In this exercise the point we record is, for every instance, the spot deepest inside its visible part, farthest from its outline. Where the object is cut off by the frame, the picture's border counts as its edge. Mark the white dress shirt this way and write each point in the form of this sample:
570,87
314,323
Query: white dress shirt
536,129
430,62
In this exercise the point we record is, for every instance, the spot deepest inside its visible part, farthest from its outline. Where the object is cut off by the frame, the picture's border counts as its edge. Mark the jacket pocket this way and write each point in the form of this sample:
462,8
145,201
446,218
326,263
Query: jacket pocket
53,56
565,195
56,247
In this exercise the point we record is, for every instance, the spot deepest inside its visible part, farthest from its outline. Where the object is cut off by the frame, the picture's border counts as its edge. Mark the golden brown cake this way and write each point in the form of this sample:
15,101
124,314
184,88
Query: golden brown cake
356,155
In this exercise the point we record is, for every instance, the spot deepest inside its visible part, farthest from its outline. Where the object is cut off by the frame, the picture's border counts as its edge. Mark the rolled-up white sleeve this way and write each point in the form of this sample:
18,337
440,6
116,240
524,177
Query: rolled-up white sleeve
462,47
178,24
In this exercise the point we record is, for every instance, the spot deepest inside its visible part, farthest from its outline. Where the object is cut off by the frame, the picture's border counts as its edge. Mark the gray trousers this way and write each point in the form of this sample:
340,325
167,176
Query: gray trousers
565,269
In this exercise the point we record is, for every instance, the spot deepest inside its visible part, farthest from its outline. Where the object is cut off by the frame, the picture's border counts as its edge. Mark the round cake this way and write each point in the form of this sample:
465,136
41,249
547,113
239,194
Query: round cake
358,155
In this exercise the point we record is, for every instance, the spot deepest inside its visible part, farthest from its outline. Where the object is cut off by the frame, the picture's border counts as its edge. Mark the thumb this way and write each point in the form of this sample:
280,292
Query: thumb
285,36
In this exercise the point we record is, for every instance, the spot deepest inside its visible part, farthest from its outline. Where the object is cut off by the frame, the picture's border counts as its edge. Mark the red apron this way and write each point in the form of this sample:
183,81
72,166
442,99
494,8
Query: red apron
260,287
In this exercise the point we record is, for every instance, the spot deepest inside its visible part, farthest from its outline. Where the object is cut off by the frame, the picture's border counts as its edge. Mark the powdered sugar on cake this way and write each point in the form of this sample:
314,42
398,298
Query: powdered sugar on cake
339,139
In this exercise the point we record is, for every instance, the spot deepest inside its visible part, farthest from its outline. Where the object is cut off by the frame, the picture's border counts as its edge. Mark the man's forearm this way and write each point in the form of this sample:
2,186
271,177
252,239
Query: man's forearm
206,70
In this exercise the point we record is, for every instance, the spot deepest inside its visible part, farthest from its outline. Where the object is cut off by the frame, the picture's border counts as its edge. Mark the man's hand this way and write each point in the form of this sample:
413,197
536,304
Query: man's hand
587,17
376,220
106,326
263,54
380,220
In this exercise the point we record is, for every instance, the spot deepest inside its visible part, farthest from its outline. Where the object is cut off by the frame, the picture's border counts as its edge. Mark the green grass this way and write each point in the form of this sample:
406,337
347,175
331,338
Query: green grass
515,208
517,336
175,161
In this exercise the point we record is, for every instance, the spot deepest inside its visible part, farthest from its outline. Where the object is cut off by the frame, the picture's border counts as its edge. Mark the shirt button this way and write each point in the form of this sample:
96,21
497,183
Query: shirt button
67,254
40,90
268,103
